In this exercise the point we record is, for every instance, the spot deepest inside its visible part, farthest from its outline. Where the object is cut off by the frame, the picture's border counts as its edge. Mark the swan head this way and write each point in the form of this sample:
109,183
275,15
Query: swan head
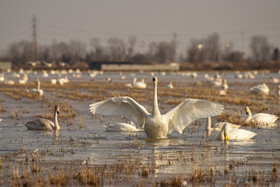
155,80
56,109
226,131
247,110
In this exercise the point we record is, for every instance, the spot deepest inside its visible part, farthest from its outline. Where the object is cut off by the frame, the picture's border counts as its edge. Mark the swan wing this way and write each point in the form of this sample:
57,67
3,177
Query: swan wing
240,134
264,118
121,127
190,110
124,106
40,124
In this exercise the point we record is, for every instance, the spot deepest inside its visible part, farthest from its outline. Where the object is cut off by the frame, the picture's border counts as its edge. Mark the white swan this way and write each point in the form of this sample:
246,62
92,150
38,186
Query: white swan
260,89
218,126
122,127
170,85
2,77
225,85
131,85
227,133
273,80
262,120
37,90
44,124
140,84
155,124
135,84
108,79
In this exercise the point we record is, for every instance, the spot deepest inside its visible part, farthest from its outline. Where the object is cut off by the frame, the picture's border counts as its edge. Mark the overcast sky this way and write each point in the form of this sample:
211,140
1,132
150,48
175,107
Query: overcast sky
148,20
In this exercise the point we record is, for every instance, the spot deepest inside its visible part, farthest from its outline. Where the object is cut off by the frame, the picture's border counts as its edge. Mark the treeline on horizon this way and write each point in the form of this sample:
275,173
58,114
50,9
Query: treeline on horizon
204,53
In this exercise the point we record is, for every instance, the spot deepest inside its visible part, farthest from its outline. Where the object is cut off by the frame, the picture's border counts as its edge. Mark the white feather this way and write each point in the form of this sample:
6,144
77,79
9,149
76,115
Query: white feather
124,106
190,110
122,127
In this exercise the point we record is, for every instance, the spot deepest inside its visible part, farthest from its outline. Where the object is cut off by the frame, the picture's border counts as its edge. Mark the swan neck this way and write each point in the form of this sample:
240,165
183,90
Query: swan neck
38,85
56,125
209,125
155,111
249,114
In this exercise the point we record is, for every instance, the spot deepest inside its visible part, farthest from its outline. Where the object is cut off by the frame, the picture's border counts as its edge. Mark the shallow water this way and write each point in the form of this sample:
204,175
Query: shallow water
177,155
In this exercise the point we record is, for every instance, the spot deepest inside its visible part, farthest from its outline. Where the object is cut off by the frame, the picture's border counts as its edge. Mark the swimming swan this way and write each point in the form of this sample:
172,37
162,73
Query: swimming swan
157,125
227,133
261,119
170,85
122,127
44,124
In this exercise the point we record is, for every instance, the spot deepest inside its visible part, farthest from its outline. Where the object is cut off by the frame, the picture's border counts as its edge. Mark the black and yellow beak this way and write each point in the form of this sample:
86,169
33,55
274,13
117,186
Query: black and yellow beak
226,138
154,79
57,109
246,110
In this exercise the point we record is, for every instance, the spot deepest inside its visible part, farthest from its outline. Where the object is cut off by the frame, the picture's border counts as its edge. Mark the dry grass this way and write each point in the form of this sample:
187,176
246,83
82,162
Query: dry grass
18,93
66,111
2,109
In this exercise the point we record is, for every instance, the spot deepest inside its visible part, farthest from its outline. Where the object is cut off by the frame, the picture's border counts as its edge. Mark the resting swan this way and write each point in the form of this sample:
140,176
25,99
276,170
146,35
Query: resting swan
44,124
227,133
140,84
218,126
262,120
37,90
122,127
155,124
260,89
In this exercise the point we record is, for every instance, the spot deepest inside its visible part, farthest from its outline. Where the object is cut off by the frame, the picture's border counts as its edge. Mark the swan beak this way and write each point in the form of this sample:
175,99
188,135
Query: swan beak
226,138
154,79
246,110
57,110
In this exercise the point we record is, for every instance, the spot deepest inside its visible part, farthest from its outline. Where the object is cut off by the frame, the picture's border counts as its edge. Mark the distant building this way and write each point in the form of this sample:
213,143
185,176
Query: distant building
140,67
124,66
5,66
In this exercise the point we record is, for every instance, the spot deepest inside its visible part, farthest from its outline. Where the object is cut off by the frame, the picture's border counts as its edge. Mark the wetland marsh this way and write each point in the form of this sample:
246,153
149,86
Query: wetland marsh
84,153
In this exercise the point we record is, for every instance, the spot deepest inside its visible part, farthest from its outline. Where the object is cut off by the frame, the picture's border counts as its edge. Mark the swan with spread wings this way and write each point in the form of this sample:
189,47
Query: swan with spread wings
157,125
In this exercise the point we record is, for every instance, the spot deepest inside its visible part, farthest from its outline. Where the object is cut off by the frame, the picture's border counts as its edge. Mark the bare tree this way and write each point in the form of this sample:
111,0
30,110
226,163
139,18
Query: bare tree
173,45
117,49
227,51
130,49
260,48
275,55
97,50
212,47
20,51
77,50
196,52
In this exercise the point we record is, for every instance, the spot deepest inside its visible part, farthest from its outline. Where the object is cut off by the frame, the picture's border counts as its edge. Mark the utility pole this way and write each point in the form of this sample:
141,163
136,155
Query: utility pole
242,41
34,38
